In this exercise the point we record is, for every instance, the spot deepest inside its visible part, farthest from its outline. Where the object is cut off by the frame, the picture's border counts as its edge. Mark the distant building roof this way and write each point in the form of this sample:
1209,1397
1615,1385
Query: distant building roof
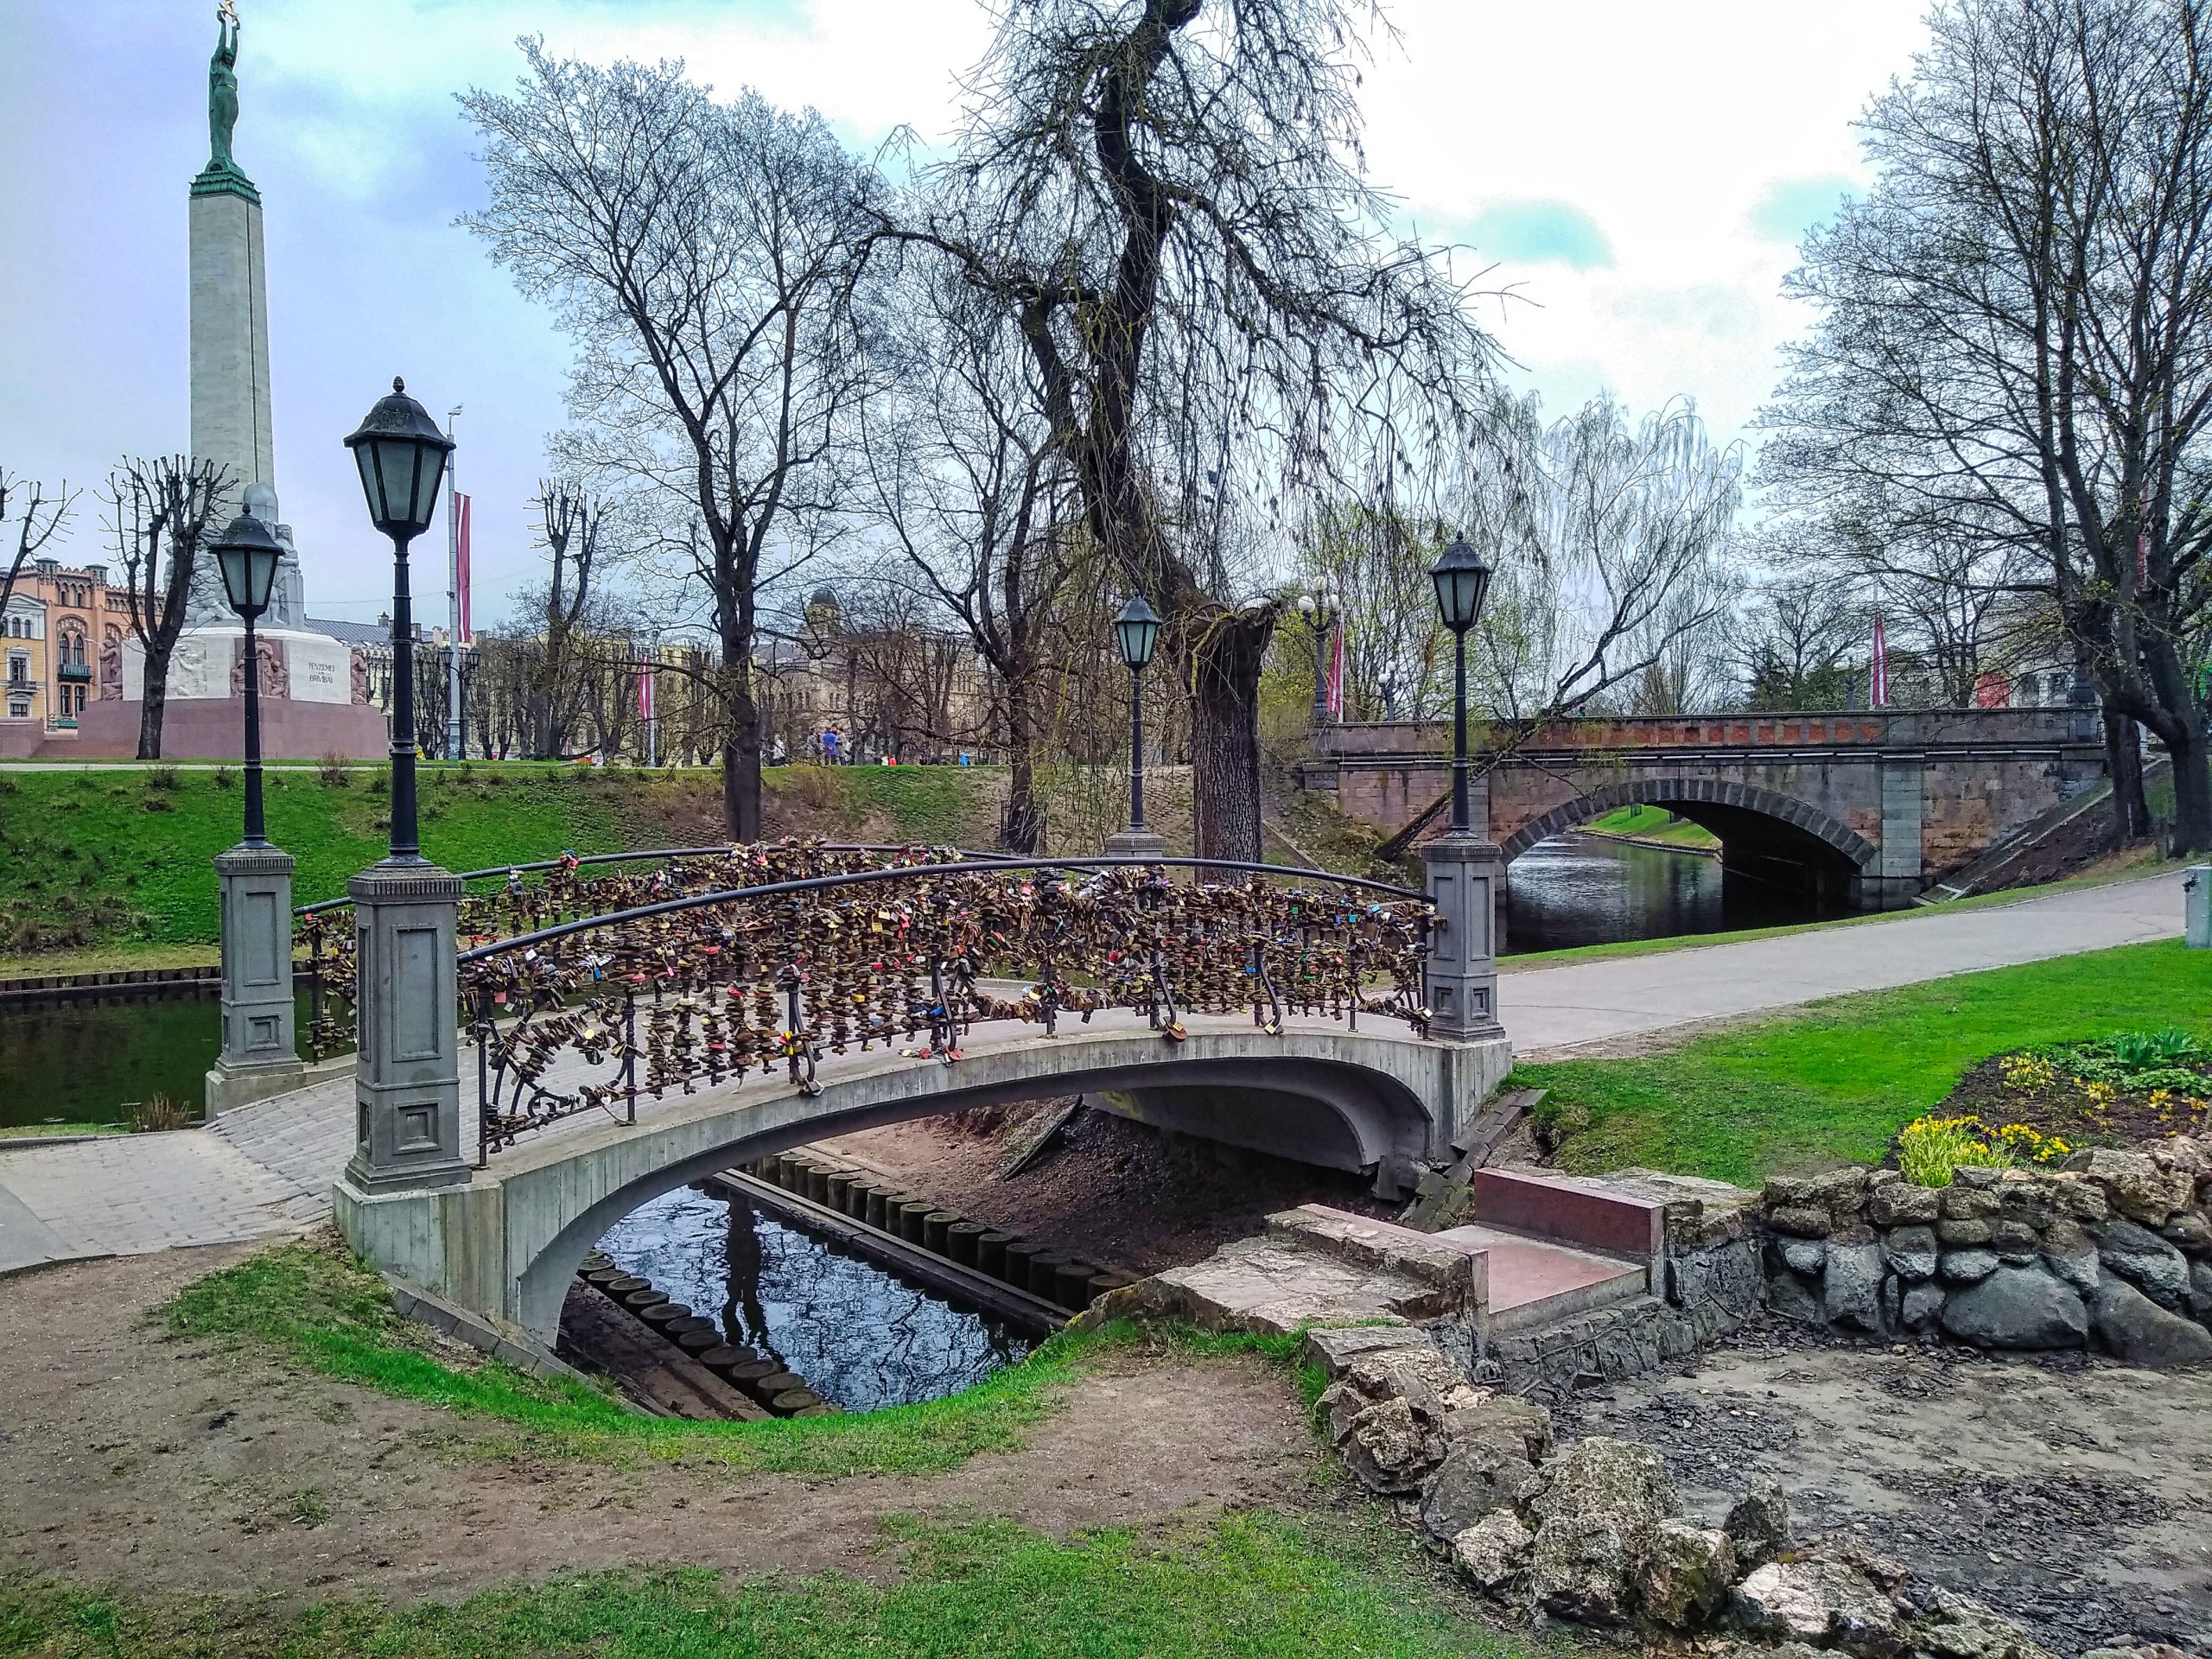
352,634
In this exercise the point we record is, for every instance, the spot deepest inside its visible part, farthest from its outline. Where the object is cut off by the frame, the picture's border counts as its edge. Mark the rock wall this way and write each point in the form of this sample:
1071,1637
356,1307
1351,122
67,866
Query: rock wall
2112,1251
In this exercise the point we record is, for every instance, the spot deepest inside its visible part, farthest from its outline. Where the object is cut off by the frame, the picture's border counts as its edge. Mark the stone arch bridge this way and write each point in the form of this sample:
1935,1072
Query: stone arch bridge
1870,809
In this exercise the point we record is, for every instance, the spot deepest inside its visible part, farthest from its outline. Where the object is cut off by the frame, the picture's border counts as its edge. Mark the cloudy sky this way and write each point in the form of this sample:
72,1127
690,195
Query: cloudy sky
1639,174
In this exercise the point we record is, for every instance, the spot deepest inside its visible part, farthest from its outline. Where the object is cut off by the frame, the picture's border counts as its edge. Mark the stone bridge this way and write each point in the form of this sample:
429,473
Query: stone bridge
1869,809
506,1242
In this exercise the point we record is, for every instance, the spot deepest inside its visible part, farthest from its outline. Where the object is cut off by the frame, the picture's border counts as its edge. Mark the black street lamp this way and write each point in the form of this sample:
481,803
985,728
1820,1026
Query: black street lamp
1462,583
247,555
1137,628
1323,610
401,456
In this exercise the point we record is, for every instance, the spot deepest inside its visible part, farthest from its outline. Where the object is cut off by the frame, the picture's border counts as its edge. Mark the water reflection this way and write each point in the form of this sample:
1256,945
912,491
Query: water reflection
860,1336
1577,889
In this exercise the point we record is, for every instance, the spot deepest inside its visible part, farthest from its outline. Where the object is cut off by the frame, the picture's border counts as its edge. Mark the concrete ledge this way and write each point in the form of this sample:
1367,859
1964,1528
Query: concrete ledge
508,1347
1385,1247
1574,1212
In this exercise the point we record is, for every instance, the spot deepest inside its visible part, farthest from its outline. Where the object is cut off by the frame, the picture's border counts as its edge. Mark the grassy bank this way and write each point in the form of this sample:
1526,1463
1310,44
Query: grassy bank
1655,824
1839,1080
1247,1584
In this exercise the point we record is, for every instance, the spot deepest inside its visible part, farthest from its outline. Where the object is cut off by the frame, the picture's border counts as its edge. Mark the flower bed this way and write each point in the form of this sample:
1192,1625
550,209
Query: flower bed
2121,1090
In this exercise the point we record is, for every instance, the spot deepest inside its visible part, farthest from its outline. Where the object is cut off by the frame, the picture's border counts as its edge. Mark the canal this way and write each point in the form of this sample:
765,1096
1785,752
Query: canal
861,1335
79,1062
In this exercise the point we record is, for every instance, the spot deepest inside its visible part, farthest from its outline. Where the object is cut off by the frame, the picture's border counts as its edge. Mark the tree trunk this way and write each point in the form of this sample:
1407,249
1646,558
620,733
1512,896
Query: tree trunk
1022,829
2192,761
2131,811
1225,735
153,705
741,764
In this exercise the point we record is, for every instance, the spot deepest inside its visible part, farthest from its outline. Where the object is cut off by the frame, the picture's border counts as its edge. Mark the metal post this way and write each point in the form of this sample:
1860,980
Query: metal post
1462,821
1137,841
456,737
256,834
406,844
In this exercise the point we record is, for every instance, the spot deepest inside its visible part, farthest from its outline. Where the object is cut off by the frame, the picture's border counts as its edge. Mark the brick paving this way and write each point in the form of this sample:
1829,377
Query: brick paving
266,1169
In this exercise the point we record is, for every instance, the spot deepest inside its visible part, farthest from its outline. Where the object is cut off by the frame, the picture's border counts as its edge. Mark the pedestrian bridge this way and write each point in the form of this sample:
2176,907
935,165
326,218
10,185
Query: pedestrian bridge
507,1243
662,1028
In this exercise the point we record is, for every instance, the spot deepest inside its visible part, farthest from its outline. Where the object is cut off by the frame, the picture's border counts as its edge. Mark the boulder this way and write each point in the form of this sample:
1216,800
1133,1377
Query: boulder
1823,1602
1493,1552
1477,1479
1799,1221
1953,1626
1978,1177
2081,1198
2134,1186
1920,1307
1504,1421
2072,1253
1900,1204
1967,1267
1602,1504
2132,1327
1390,1449
1966,1235
1910,1251
1838,1191
1685,1573
1581,1568
2200,1277
2017,1307
2136,1253
1851,1292
1335,1348
1959,1202
2014,1240
1791,1298
1758,1524
2190,1229
1805,1255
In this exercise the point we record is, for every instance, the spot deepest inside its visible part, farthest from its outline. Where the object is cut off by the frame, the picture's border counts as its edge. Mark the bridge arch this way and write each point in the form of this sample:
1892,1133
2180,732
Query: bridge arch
1731,810
507,1243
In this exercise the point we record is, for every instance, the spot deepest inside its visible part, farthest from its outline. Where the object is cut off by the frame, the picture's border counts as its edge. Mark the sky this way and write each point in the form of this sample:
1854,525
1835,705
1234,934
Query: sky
1640,177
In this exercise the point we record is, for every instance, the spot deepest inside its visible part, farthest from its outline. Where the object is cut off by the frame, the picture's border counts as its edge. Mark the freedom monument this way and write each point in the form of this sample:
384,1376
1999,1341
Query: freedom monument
313,689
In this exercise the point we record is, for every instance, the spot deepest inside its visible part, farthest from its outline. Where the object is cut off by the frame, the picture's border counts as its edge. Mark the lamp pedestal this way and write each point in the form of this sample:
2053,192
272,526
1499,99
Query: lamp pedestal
1134,843
407,1078
257,1059
1463,870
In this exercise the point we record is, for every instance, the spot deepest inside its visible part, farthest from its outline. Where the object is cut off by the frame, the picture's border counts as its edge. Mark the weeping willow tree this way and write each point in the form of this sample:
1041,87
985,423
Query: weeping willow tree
1167,198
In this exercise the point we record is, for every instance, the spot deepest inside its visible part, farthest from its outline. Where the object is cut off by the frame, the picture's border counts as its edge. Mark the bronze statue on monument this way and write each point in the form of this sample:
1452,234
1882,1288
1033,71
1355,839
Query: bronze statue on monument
223,89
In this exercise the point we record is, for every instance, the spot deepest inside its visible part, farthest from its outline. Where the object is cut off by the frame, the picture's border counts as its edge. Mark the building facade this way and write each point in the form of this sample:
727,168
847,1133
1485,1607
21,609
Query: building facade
61,643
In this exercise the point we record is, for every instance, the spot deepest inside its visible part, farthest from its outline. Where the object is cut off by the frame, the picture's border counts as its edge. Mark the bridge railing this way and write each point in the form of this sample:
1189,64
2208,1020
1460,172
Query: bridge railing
707,988
541,892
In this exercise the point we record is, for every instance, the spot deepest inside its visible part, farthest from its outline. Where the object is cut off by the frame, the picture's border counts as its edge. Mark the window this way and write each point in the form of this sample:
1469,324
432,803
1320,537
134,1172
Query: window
19,668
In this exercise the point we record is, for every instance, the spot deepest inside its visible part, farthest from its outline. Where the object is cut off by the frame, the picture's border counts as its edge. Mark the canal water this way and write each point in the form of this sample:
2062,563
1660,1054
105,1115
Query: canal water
863,1336
81,1061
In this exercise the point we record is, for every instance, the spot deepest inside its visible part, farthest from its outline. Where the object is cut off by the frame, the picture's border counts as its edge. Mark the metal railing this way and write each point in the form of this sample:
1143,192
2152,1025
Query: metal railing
708,988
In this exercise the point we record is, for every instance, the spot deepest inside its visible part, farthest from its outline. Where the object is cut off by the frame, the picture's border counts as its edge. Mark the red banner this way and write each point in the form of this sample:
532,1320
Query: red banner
468,633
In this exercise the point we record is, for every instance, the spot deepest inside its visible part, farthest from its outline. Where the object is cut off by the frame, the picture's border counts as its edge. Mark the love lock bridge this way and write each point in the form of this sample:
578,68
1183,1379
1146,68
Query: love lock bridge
630,1034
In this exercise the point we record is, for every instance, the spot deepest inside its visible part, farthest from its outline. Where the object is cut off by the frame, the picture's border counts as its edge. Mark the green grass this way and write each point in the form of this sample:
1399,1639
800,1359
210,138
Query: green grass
20,1131
1837,1081
1247,1585
1655,824
2146,865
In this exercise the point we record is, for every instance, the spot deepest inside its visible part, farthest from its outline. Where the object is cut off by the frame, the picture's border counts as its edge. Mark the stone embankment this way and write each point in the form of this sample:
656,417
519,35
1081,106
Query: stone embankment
2112,1250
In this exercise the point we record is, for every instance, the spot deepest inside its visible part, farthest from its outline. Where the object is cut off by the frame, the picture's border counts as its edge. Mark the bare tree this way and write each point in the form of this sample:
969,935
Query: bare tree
2015,345
40,518
1166,197
965,478
704,255
572,528
168,505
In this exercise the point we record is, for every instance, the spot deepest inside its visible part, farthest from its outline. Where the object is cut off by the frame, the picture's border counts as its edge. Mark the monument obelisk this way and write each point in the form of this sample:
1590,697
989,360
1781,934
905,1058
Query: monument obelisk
230,292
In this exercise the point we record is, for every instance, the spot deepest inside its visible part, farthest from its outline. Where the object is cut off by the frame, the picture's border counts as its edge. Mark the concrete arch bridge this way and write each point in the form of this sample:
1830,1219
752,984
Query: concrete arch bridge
1868,808
618,1057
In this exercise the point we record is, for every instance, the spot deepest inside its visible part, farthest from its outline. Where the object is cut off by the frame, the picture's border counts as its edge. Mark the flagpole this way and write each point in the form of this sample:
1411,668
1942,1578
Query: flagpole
453,599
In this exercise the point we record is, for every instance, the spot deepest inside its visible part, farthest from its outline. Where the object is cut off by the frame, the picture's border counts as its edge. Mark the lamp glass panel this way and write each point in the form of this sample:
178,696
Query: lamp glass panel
430,468
261,575
365,457
231,561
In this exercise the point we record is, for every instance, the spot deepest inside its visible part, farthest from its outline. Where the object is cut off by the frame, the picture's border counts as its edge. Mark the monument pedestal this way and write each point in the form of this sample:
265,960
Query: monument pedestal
1463,870
1134,843
258,1057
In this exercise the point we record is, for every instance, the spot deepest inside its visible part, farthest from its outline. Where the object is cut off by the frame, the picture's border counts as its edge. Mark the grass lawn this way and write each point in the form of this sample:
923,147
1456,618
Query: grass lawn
1247,1584
1655,824
1839,1080
317,1305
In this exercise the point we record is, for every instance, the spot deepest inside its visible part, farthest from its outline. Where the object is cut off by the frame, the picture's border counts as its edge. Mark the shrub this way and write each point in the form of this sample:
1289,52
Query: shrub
162,777
1930,1150
330,771
226,778
155,1112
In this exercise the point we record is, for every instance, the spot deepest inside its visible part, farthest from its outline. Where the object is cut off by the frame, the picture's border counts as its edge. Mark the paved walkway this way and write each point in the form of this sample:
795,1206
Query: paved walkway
266,1169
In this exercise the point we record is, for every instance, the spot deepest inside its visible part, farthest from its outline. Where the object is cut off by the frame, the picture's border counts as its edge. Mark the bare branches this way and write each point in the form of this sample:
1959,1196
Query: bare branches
168,504
39,518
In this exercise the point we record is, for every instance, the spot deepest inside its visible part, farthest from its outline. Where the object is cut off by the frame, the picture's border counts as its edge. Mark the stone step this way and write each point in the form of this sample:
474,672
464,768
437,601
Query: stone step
1534,1282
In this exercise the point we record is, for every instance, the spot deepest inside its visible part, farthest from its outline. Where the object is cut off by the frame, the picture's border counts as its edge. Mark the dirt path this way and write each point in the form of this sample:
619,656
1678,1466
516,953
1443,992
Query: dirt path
2073,1494
167,1464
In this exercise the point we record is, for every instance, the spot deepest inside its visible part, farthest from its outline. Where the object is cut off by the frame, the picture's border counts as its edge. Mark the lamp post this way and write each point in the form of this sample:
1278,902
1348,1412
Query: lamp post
254,879
247,557
1136,630
1323,609
402,457
1464,866
407,1077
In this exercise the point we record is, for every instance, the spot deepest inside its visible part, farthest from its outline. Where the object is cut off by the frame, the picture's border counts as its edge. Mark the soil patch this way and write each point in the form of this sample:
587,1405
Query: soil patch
162,1463
2060,1108
2070,1493
1114,1192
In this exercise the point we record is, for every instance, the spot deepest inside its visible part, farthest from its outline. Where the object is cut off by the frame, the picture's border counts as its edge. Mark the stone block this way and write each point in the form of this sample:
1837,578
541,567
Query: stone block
2017,1307
1684,1575
2132,1328
1476,1479
1758,1524
1805,1255
1851,1291
1493,1554
2015,1241
1919,1307
1901,1204
1910,1252
1974,1234
1958,1203
1821,1602
1800,1221
1335,1348
2138,1254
